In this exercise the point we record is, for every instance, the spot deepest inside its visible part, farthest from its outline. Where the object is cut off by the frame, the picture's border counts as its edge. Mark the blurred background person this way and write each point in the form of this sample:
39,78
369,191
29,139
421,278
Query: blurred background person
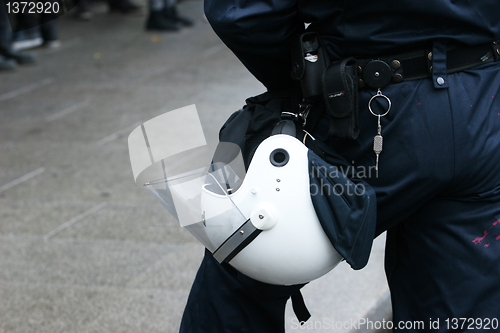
163,16
84,8
43,27
123,6
8,56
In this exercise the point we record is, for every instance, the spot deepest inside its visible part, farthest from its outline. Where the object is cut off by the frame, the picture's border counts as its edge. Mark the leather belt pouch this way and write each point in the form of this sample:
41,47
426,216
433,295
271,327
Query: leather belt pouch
340,92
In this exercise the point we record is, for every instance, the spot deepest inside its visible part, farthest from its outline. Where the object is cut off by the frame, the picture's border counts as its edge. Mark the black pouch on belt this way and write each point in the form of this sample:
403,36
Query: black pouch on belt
340,92
309,59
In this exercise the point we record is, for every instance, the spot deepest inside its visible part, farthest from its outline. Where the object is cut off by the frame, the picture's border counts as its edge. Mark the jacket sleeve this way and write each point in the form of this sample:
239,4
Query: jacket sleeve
260,34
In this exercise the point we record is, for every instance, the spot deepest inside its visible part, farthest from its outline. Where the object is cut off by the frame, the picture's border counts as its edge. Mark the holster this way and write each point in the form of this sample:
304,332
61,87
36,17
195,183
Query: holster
309,59
335,83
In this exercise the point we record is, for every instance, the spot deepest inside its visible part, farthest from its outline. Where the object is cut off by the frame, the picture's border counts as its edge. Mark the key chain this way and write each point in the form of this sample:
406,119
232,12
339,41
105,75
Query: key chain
378,140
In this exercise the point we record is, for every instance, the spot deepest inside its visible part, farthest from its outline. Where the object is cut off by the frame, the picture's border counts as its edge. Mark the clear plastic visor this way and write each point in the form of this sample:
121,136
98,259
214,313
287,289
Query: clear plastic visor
201,201
196,183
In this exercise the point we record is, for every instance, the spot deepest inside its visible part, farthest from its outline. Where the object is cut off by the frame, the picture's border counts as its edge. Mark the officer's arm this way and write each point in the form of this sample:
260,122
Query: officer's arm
260,34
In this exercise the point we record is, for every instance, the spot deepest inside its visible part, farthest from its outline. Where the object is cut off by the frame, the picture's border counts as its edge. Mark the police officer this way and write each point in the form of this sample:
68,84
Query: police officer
438,170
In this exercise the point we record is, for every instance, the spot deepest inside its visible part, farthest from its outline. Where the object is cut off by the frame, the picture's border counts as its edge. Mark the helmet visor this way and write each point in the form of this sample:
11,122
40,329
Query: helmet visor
171,158
201,201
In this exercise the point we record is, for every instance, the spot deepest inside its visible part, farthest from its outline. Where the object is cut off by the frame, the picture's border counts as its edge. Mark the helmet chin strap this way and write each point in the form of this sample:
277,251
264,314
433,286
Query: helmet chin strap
236,242
291,125
299,307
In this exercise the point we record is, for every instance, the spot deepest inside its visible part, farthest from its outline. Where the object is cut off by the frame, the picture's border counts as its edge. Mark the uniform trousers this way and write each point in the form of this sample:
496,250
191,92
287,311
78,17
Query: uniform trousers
438,198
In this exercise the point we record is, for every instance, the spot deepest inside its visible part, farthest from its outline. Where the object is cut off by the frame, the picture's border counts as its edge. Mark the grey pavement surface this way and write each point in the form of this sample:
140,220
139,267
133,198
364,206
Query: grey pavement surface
82,248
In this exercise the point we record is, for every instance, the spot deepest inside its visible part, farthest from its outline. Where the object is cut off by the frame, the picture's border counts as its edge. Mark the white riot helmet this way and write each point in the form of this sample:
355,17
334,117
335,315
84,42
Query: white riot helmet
262,222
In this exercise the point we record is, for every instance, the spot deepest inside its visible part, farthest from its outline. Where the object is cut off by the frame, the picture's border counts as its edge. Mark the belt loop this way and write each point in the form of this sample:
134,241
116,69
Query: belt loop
439,69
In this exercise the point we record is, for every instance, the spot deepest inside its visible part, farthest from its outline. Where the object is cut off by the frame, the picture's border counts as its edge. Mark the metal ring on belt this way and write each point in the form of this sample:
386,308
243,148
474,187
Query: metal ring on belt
375,73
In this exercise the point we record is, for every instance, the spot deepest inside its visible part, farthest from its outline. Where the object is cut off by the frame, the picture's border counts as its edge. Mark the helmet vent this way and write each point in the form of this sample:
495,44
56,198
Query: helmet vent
279,157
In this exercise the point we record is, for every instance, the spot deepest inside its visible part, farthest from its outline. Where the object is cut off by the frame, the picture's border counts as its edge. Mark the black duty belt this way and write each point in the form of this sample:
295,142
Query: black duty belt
416,65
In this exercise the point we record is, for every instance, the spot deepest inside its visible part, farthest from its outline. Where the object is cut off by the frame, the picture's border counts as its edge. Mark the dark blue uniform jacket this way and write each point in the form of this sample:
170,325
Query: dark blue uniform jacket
260,32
